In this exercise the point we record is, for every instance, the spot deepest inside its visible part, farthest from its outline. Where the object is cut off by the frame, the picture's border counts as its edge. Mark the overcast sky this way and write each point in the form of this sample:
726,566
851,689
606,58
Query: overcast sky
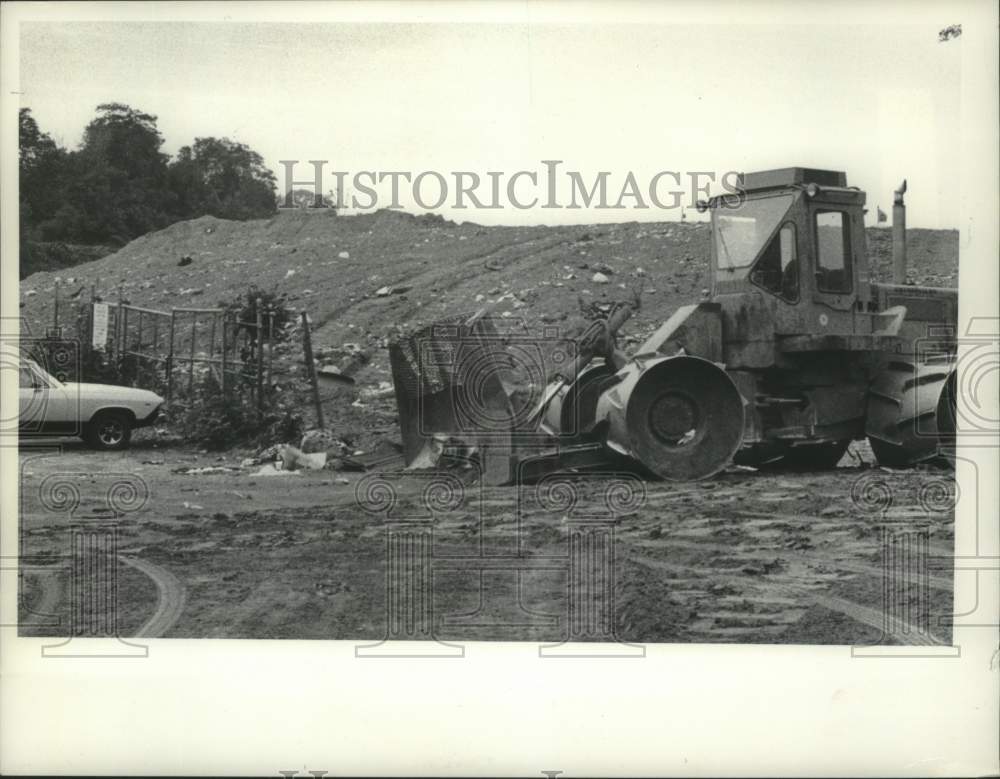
879,101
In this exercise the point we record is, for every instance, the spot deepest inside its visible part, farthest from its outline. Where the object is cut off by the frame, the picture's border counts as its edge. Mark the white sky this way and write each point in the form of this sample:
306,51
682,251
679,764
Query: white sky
879,101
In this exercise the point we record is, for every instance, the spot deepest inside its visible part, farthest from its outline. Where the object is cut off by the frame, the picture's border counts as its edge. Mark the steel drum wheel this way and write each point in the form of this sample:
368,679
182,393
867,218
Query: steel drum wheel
685,419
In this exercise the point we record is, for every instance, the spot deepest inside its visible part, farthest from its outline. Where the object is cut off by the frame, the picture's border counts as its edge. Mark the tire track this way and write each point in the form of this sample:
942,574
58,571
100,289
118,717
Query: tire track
877,571
47,606
171,597
903,631
463,271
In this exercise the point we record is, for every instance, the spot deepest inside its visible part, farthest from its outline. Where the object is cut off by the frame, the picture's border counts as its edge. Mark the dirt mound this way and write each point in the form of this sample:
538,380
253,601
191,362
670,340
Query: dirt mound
932,256
54,256
361,278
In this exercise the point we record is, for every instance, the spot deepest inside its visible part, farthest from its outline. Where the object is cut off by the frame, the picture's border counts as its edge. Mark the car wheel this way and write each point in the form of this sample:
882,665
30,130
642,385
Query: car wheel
109,430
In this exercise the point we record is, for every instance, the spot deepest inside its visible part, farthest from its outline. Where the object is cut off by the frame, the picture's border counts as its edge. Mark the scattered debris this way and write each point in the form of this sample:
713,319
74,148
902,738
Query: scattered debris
384,390
387,290
185,260
333,373
322,441
294,458
205,470
271,470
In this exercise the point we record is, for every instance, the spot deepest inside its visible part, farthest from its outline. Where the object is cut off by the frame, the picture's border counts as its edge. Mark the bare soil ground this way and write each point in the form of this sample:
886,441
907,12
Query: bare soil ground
747,557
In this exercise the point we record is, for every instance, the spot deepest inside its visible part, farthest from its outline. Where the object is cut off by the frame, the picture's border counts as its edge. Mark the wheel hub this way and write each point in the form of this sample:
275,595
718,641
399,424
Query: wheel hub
674,418
110,433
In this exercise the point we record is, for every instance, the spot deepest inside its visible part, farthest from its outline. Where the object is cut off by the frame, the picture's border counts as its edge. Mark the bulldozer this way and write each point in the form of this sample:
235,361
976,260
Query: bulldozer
793,353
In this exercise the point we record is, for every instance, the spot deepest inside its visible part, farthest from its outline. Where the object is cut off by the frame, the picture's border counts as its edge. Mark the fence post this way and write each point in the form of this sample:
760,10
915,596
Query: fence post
224,346
82,343
170,356
260,355
118,325
211,341
89,349
270,345
311,367
194,333
124,339
55,312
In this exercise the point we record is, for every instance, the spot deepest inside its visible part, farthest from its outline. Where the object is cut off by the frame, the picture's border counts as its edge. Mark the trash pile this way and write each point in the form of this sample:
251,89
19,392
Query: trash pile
322,450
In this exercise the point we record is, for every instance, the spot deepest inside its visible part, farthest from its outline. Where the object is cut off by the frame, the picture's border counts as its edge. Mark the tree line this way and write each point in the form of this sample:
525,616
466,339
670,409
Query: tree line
119,185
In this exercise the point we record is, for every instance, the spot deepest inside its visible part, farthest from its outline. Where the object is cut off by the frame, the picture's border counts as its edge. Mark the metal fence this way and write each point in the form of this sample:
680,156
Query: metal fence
182,345
191,342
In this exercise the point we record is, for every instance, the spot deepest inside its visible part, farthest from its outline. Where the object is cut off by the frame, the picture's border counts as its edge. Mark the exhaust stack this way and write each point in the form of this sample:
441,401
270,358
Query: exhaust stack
899,236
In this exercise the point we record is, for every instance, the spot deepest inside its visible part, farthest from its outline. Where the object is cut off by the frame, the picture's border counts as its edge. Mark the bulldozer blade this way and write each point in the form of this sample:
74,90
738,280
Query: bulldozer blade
447,379
911,413
680,417
581,457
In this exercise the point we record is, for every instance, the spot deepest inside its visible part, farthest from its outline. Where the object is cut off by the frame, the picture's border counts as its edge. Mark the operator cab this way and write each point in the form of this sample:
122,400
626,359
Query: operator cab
796,235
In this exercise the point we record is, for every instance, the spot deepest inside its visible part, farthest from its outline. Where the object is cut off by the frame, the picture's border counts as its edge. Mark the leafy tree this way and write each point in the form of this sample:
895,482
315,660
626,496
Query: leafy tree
223,178
119,184
43,168
120,177
34,145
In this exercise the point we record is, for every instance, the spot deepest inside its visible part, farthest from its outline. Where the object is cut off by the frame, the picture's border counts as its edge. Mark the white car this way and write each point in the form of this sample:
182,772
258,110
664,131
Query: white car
104,415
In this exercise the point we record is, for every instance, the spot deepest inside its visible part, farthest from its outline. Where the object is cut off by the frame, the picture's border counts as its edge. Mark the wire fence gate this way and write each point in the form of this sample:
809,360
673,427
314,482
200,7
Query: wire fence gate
191,342
234,345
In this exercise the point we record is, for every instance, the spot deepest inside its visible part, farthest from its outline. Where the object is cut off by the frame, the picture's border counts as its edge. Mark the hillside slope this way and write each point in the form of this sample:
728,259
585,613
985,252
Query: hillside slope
332,266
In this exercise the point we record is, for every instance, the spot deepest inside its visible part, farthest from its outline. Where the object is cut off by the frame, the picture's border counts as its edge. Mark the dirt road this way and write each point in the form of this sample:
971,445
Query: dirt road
746,557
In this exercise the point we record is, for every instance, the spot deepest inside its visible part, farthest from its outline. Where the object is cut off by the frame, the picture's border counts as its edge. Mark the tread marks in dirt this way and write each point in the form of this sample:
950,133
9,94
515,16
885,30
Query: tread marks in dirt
171,597
497,258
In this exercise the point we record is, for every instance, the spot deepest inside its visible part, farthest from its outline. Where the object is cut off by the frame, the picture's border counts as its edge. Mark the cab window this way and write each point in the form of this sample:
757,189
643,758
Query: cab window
833,256
777,268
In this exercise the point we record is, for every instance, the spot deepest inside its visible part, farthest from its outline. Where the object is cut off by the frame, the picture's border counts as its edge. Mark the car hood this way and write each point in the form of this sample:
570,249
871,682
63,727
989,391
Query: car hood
113,392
